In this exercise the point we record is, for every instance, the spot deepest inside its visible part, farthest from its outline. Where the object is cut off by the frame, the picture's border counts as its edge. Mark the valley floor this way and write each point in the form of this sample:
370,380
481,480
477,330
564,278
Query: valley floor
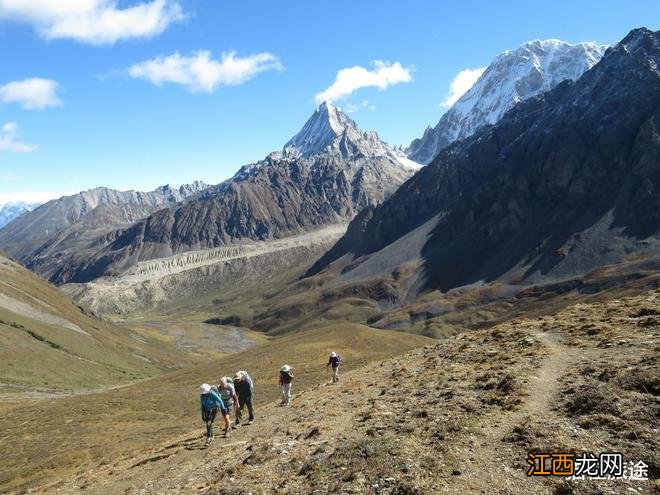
453,417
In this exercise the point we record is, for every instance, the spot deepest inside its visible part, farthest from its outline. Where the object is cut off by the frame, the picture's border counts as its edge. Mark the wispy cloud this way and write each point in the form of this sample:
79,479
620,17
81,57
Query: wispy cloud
29,196
351,79
200,72
9,140
95,22
10,178
34,93
463,81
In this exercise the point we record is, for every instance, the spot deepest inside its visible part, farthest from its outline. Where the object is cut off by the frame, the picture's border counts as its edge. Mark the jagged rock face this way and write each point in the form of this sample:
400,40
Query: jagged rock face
512,77
57,230
331,129
564,183
13,210
324,175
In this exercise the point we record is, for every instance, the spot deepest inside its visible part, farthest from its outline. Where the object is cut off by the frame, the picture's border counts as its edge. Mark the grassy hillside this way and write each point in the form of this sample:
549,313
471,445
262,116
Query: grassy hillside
50,345
456,417
49,439
384,302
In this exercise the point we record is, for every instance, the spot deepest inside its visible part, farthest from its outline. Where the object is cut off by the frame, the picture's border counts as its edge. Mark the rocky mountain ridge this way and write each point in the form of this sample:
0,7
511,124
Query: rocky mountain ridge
61,231
324,175
565,182
512,77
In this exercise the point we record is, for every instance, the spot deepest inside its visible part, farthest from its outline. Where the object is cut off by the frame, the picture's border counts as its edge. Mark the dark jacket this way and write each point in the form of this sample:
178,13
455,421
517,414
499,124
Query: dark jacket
243,389
286,377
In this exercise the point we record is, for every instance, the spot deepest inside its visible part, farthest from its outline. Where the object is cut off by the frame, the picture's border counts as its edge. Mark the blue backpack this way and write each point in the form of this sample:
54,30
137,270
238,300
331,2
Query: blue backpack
209,402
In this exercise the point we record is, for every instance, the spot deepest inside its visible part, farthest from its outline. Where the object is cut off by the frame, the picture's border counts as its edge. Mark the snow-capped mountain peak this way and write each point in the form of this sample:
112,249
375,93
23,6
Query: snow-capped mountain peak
514,76
13,210
330,129
319,132
330,132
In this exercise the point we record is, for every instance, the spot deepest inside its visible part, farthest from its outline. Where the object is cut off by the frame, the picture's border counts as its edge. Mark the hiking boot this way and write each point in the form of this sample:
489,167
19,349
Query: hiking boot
227,432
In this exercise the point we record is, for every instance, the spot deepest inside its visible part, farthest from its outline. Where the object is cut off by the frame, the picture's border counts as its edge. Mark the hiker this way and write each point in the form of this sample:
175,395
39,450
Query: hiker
286,377
334,361
210,403
227,393
244,389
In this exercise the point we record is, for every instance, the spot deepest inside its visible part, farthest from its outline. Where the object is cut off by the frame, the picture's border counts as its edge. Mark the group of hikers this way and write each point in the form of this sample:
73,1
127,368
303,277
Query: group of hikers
237,394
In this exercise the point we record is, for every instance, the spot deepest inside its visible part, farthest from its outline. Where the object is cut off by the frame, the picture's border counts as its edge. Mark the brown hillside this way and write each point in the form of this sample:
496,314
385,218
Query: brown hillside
52,439
456,417
50,345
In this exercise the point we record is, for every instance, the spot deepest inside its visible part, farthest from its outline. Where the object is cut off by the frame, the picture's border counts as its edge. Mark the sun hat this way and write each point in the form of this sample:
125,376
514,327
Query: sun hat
205,388
285,368
238,376
333,354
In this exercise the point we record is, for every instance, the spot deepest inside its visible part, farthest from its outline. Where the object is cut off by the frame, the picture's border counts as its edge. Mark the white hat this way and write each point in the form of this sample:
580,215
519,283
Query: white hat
285,368
206,388
333,354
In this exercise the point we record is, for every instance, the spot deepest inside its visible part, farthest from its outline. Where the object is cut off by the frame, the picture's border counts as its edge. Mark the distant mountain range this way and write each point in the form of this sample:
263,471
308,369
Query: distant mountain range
13,210
512,77
325,174
61,229
566,182
563,179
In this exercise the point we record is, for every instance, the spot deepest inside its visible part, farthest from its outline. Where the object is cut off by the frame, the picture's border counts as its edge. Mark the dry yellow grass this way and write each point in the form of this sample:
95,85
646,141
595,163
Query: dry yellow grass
50,439
50,345
456,417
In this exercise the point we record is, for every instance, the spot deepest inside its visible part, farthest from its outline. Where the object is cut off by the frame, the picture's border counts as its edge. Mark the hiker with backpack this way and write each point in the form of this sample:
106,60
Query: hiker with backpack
227,393
244,389
334,361
210,404
286,379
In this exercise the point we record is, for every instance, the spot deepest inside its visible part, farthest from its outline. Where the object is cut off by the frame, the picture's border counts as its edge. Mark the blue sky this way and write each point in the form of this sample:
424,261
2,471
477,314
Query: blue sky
74,115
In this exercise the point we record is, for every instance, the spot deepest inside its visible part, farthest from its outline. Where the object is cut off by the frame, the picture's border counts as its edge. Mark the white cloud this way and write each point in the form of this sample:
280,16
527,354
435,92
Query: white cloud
463,81
351,79
200,72
29,197
93,21
34,93
9,140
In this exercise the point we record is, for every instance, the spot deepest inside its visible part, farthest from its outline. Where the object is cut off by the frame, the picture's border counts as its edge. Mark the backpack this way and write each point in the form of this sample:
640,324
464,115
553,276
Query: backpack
227,394
208,402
